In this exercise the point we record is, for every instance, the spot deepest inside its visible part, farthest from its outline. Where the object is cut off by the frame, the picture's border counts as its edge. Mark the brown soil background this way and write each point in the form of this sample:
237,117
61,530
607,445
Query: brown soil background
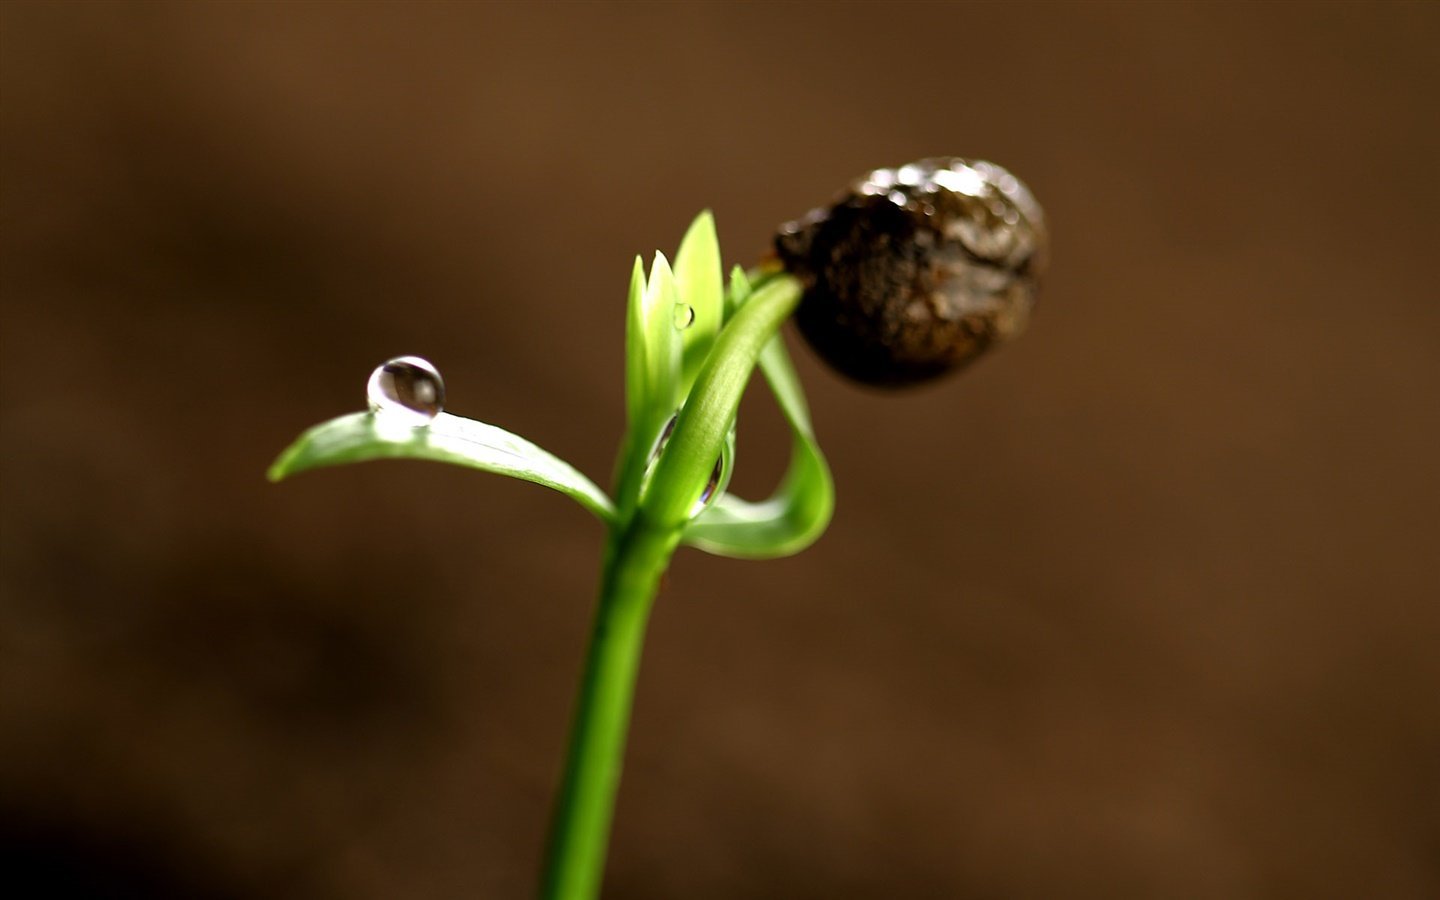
1142,606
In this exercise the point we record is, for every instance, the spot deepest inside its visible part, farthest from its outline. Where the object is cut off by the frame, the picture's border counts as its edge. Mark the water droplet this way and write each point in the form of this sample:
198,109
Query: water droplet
664,438
684,316
655,450
406,390
719,476
712,488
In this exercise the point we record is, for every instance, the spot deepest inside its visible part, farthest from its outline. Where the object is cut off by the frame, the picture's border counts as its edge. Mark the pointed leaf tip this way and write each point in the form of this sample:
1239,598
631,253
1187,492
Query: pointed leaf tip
699,281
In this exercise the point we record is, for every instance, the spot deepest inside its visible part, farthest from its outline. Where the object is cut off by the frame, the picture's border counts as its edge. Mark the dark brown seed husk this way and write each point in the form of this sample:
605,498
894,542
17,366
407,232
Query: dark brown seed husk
916,271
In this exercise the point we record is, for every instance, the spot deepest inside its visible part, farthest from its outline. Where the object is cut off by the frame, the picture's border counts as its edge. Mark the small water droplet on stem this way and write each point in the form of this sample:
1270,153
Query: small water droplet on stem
712,487
684,316
664,438
406,390
717,475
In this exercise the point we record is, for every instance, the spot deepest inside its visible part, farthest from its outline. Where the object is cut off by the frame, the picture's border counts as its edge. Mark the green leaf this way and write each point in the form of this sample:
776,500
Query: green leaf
800,509
359,437
699,282
652,346
662,339
635,375
682,471
652,373
740,289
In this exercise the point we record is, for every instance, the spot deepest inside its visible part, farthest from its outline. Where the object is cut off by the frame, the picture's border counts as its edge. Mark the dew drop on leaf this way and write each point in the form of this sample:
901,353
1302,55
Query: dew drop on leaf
406,390
684,316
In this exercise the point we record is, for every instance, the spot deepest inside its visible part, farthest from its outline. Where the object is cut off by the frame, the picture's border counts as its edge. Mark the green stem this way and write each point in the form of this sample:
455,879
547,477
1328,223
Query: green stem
636,558
637,555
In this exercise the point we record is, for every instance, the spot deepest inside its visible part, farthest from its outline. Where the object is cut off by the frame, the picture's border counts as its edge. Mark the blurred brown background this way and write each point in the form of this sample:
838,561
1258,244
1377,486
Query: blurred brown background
1142,606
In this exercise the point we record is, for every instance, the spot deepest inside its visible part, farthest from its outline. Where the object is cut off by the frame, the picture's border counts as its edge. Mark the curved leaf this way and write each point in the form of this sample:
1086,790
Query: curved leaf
359,437
682,471
800,509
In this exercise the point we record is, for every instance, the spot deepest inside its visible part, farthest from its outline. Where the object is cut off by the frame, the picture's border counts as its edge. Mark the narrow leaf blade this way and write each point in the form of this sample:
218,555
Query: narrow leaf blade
360,437
635,366
738,293
700,284
662,341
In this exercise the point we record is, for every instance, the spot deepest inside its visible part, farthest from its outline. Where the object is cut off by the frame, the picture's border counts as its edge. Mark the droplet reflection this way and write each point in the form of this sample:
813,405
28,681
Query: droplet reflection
719,475
406,390
712,488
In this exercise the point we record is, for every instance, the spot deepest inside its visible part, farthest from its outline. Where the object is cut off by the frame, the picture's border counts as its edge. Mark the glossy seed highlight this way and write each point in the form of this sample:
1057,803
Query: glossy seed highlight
916,271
